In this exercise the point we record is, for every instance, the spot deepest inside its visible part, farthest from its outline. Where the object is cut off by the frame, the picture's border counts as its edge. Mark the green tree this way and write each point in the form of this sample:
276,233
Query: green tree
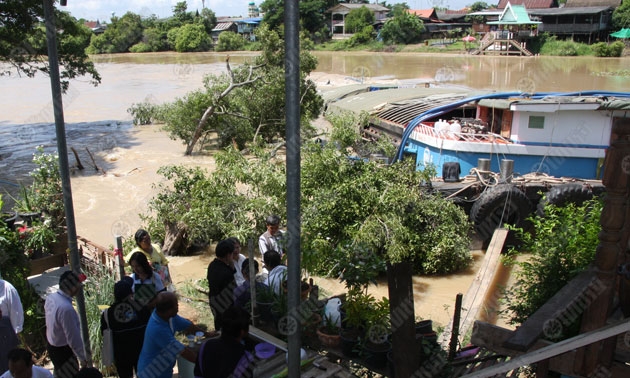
155,39
120,35
311,14
357,19
192,37
621,16
247,103
230,41
180,15
208,19
403,28
23,42
477,7
562,244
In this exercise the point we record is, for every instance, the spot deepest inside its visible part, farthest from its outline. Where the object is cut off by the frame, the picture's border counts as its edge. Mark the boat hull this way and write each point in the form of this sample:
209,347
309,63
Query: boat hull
583,162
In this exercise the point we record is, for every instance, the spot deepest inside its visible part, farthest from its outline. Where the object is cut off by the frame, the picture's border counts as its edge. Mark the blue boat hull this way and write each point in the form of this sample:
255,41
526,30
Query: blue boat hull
557,166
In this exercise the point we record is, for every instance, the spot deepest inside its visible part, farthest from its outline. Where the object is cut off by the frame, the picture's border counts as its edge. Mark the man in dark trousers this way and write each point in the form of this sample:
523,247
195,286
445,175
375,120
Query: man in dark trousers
221,281
63,331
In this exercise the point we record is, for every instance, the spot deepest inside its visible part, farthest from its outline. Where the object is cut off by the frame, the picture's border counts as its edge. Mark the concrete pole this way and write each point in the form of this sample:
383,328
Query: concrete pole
292,105
62,149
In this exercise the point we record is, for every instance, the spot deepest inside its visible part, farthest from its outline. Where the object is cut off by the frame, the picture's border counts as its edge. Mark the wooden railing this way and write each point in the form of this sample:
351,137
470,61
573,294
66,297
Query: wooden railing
94,256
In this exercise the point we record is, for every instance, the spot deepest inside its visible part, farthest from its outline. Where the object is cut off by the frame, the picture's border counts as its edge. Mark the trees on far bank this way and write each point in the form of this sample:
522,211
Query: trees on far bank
404,28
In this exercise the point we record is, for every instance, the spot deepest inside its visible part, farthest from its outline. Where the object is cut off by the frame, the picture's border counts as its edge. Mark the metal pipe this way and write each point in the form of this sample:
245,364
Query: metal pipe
507,170
292,102
62,149
483,165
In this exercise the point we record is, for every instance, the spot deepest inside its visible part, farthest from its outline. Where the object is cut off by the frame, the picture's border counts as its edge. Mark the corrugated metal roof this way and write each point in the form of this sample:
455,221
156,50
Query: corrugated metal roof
566,11
373,7
529,4
404,111
592,3
399,105
222,26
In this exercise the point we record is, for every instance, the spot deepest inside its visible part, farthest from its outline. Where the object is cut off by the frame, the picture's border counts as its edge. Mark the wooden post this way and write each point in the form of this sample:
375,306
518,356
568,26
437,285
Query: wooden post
611,239
120,261
452,348
405,350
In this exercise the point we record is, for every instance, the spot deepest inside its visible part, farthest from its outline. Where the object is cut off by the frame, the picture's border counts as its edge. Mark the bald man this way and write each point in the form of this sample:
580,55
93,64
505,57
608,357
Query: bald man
160,348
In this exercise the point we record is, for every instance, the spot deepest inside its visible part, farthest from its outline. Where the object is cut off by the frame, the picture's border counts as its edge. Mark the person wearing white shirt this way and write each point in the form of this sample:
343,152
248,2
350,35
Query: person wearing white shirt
146,283
238,259
11,320
63,330
21,366
277,271
272,238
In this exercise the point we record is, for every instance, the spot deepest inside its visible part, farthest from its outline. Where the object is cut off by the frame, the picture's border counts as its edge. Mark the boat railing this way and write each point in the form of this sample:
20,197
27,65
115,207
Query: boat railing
487,137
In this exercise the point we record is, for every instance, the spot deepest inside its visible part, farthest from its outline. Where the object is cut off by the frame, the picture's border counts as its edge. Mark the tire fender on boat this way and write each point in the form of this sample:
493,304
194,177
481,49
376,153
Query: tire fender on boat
499,205
564,194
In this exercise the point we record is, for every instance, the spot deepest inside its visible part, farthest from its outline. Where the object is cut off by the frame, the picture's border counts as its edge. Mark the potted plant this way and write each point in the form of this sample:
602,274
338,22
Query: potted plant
354,321
376,343
264,301
38,239
24,206
329,333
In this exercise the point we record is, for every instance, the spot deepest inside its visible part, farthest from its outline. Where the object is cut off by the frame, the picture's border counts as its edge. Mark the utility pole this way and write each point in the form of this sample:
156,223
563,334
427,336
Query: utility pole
62,149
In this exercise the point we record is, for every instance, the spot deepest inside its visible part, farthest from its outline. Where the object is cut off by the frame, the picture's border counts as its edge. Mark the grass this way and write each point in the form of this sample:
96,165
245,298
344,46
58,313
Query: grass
189,292
556,47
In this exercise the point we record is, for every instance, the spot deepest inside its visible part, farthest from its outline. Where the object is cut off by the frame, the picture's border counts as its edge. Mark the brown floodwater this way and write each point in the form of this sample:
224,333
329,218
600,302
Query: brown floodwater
97,119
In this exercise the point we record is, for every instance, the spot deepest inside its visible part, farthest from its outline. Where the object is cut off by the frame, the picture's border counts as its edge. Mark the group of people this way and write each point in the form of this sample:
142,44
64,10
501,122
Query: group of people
144,316
229,273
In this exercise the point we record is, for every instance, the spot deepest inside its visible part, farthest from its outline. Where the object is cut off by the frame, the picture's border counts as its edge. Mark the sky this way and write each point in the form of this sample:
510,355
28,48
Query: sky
103,9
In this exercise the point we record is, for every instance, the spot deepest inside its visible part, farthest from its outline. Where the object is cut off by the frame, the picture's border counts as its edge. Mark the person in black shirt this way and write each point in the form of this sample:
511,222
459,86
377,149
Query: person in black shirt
128,321
227,356
221,281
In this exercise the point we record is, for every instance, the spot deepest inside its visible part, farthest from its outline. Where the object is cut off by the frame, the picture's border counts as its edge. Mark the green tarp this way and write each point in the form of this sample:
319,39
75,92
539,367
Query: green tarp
623,33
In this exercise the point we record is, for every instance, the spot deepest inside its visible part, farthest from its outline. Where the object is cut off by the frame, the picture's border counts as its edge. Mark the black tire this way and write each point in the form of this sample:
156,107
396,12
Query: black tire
502,204
564,194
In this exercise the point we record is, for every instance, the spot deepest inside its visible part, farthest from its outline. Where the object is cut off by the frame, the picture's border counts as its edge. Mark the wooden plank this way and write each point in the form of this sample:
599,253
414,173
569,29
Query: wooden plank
264,336
563,306
554,350
478,289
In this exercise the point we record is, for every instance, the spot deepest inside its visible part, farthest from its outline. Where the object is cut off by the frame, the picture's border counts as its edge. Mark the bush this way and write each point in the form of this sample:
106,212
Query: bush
140,47
230,41
603,49
552,46
192,37
562,244
366,35
143,113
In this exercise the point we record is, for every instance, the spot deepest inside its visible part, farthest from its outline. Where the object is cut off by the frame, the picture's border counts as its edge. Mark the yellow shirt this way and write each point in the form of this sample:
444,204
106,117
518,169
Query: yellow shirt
156,255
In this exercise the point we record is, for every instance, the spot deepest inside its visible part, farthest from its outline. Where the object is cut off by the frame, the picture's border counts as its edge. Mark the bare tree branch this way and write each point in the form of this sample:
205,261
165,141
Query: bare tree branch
212,109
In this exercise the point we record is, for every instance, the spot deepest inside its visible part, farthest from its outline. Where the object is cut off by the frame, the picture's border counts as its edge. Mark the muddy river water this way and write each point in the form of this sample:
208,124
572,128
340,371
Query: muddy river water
96,118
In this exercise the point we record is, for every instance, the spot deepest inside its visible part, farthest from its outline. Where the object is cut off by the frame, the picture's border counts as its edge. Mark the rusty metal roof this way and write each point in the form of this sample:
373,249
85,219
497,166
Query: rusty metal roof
399,105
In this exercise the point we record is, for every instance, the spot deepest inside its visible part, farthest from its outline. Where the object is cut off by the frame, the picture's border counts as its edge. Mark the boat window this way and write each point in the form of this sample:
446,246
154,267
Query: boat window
536,122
